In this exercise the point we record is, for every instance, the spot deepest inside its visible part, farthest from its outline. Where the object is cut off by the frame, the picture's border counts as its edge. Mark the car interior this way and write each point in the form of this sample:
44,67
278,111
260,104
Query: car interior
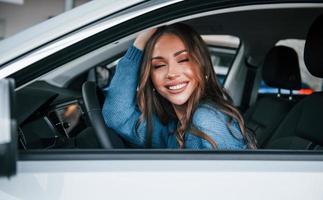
280,70
61,109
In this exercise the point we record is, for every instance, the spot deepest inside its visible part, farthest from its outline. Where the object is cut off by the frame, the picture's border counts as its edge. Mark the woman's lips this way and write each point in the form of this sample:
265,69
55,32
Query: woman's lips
176,88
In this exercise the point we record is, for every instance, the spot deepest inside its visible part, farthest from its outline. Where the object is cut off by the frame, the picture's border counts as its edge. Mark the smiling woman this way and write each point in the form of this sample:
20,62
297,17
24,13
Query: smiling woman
181,104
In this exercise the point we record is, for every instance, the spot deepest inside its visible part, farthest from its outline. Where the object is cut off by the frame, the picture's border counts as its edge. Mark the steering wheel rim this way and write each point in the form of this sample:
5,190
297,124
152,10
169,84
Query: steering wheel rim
107,137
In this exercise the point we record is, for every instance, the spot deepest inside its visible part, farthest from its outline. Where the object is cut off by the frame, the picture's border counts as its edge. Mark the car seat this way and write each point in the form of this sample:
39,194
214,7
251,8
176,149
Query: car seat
280,70
302,128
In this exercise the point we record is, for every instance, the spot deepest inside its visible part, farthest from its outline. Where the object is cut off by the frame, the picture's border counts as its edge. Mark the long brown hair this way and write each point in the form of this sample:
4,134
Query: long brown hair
208,88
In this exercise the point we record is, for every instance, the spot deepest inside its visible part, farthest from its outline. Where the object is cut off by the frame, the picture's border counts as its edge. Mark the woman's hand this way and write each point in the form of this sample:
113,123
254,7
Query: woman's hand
143,38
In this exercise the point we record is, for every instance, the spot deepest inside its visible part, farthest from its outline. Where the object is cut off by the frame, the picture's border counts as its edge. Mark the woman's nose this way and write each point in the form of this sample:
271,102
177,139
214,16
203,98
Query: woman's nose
172,76
173,71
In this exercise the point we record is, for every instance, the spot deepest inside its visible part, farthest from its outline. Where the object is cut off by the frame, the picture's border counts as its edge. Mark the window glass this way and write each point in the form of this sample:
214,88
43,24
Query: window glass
223,49
310,83
222,59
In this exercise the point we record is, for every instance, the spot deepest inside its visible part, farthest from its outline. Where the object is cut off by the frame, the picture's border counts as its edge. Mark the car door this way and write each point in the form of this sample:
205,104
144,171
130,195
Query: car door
8,126
149,173
159,175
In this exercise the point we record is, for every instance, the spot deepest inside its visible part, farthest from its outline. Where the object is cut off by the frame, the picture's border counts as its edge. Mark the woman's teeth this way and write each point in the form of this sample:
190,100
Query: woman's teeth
178,86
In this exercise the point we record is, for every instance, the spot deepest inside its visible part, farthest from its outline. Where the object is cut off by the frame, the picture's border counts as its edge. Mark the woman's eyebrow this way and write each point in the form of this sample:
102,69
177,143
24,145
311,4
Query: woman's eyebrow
179,52
157,57
175,54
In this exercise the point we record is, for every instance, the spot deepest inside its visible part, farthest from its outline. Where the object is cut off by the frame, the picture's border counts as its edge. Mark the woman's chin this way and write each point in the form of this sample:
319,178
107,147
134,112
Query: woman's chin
178,101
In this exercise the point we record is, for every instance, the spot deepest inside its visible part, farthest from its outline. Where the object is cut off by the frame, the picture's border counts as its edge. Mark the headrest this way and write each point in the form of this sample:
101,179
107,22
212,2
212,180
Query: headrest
281,68
313,52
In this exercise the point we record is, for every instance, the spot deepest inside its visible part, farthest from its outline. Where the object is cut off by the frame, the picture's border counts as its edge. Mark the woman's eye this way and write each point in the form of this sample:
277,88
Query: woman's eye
156,66
183,60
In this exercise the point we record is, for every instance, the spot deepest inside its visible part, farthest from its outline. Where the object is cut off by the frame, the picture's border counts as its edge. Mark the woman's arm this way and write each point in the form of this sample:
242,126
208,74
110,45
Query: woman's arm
120,110
214,123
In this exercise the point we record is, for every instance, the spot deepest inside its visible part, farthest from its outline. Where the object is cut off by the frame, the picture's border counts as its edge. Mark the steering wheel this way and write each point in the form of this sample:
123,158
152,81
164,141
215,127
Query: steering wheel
106,136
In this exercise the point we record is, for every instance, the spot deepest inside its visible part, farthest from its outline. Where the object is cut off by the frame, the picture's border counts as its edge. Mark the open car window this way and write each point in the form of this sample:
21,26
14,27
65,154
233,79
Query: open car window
46,118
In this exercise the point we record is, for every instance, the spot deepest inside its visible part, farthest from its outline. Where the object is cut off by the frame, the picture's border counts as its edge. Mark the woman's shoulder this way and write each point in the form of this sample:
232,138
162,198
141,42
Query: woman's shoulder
209,119
207,111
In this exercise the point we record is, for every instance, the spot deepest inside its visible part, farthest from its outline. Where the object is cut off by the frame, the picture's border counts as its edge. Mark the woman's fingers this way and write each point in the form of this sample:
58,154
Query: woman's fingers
143,38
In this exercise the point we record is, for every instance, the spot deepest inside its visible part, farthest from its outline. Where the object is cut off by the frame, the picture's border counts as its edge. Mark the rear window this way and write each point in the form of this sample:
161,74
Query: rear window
310,83
223,49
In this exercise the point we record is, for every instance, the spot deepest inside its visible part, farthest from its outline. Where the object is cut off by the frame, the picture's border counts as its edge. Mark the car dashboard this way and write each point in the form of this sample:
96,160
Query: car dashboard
49,117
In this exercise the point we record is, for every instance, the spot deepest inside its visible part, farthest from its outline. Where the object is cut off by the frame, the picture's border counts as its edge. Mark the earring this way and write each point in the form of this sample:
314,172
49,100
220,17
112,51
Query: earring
154,89
206,77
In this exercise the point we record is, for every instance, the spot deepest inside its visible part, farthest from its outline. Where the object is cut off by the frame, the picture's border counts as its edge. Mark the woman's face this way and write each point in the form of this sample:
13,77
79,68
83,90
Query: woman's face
173,71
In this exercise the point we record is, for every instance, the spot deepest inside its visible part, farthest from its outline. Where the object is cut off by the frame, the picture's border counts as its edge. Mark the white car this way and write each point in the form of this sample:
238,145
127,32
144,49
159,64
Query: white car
53,147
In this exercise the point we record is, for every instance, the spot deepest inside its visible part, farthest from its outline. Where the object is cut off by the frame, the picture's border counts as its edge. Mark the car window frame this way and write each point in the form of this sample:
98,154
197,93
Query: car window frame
149,154
170,154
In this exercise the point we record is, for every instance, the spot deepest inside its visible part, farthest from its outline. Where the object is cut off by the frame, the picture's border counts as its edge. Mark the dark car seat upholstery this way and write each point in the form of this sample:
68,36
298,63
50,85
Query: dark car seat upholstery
303,126
280,70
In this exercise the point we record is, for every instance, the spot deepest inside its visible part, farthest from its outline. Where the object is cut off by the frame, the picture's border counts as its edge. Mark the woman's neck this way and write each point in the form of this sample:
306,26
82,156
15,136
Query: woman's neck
180,111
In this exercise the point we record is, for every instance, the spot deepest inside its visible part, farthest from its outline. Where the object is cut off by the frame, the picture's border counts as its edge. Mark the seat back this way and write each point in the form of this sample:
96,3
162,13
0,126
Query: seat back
280,70
303,126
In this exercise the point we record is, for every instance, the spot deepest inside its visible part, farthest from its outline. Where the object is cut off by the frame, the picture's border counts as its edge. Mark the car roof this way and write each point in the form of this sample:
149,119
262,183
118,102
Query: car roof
59,26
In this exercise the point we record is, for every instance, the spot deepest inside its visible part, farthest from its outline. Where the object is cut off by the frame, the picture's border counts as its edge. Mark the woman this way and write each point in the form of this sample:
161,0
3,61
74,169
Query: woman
179,101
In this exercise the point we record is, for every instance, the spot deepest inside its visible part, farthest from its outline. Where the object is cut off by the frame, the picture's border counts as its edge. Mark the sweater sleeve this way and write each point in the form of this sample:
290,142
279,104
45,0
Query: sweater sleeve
120,110
214,123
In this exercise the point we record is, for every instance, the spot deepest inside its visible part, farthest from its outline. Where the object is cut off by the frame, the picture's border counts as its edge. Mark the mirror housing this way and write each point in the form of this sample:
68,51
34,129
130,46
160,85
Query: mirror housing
8,129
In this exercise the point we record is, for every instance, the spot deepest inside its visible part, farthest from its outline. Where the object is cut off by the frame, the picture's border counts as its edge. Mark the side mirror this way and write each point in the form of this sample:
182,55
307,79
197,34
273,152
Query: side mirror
8,129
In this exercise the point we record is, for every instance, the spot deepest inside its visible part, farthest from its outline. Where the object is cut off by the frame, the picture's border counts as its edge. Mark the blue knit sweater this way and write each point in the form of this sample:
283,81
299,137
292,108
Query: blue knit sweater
121,113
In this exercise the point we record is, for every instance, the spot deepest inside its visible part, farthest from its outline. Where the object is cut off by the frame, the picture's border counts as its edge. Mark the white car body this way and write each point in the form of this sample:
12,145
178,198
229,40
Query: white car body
165,179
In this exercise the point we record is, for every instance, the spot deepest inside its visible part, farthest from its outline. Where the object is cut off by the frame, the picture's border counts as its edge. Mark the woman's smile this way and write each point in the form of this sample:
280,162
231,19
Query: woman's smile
177,87
173,71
